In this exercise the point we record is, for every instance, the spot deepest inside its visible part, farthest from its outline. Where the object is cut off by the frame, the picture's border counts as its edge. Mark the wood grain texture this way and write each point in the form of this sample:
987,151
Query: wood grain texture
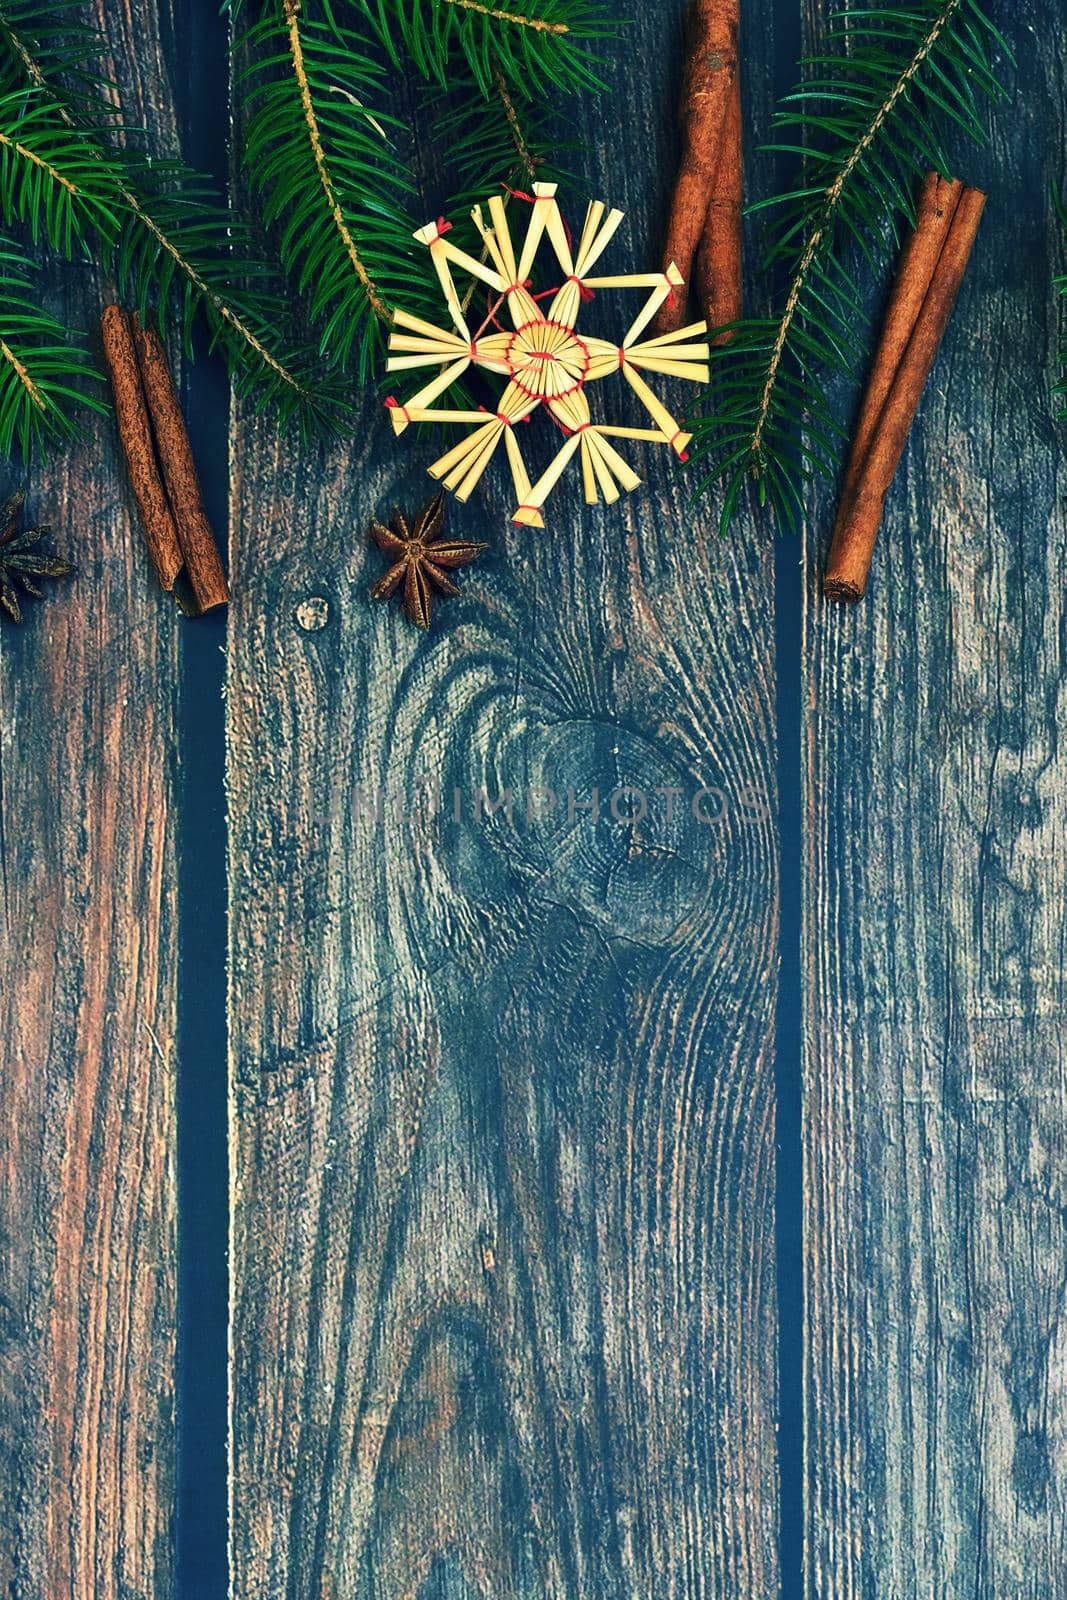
936,859
502,1091
87,1010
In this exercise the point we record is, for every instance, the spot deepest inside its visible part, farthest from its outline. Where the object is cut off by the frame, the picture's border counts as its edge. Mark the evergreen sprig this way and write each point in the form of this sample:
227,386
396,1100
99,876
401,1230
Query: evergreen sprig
40,363
319,145
540,46
502,138
156,225
50,179
868,120
182,246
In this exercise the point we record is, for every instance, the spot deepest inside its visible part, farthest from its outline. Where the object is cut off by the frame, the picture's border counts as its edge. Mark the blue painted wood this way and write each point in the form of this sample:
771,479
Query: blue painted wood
936,1125
502,1088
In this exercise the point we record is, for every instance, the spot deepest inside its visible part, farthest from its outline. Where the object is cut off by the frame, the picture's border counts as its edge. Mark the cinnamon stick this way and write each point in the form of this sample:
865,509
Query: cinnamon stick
918,262
180,479
899,376
135,435
719,267
708,87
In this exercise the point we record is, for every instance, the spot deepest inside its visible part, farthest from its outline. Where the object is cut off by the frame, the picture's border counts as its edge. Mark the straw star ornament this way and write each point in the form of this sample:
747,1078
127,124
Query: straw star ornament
543,358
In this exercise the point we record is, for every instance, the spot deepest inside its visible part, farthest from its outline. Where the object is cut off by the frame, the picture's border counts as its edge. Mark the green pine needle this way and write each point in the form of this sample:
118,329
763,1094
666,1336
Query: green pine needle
49,179
869,121
42,364
319,146
541,45
506,138
155,224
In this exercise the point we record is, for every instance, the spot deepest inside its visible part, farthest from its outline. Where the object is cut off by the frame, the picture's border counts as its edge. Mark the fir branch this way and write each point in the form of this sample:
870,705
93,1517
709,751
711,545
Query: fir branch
296,55
545,48
510,16
48,179
317,145
168,252
40,363
502,139
868,123
64,50
172,233
528,163
827,214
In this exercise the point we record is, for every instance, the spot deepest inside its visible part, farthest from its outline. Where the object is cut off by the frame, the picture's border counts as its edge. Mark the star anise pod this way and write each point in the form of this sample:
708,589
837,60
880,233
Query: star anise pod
20,564
419,559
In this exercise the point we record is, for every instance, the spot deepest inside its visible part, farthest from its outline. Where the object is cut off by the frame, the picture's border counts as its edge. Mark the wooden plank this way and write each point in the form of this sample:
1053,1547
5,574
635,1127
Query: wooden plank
502,1091
87,1016
936,1124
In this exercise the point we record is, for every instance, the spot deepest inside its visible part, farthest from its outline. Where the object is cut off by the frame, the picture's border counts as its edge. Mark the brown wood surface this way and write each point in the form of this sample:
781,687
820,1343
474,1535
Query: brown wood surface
502,1093
87,1017
936,871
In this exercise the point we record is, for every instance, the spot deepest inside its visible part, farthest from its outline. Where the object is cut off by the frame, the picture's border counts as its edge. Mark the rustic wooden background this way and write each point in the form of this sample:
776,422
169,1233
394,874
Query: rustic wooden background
935,857
503,1096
